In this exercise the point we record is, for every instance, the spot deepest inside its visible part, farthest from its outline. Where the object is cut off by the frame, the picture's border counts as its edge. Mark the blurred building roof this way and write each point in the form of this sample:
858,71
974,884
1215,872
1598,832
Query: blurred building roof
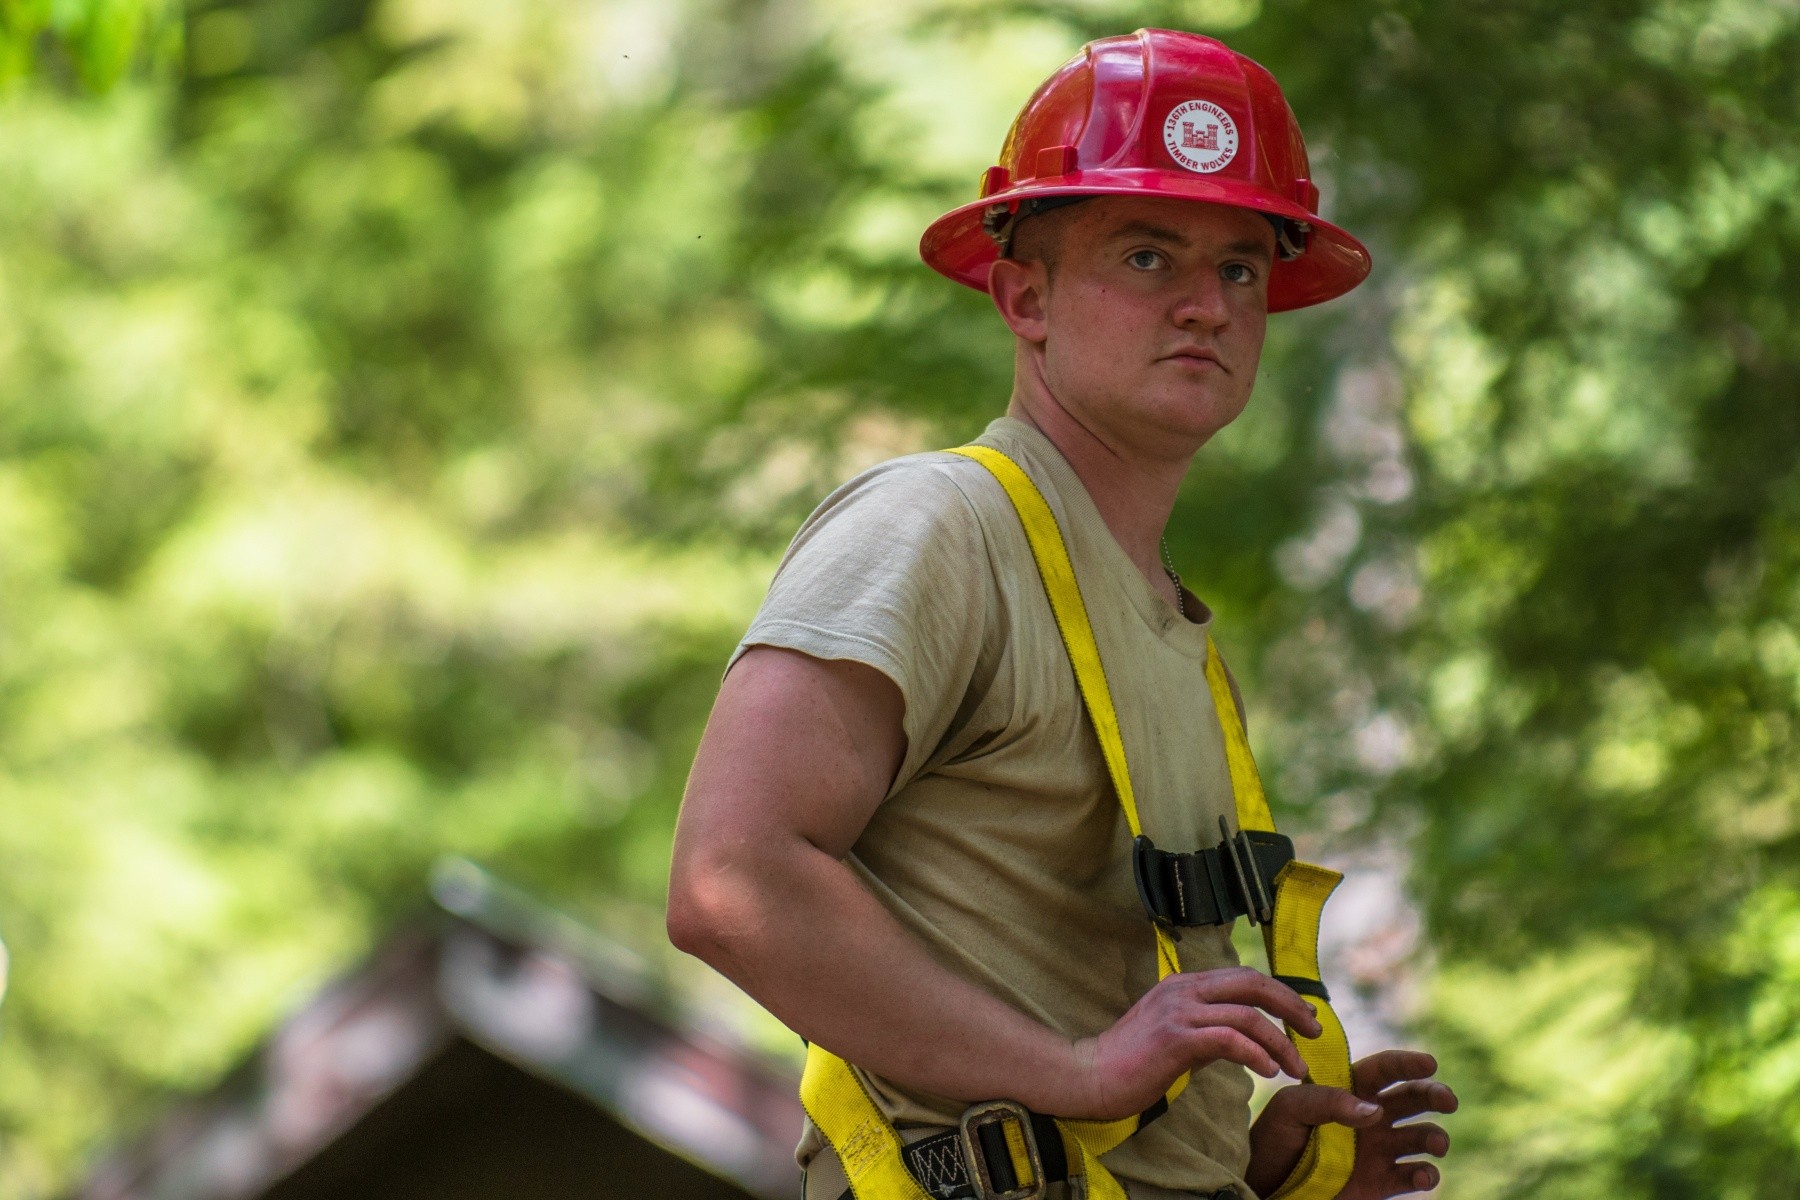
498,1050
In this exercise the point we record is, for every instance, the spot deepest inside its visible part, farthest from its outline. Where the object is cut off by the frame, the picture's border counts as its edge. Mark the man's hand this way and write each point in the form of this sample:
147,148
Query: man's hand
1183,1023
1389,1087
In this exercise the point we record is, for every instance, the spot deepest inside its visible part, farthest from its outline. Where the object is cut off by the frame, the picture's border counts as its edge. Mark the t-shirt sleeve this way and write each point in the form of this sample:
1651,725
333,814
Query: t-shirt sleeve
891,571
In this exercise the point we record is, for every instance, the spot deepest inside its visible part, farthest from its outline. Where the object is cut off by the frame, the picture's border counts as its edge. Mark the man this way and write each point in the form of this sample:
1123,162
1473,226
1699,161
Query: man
901,834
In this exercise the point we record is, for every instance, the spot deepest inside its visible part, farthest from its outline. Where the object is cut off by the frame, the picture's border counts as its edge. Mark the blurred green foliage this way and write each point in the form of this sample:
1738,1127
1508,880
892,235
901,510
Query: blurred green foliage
94,43
403,404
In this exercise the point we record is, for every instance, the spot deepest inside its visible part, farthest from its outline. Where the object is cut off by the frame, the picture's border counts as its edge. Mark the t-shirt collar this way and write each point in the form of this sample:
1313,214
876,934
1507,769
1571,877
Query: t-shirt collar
1046,465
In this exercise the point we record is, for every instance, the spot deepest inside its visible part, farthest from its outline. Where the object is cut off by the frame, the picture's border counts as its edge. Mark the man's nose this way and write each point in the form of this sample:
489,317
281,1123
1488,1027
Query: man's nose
1202,304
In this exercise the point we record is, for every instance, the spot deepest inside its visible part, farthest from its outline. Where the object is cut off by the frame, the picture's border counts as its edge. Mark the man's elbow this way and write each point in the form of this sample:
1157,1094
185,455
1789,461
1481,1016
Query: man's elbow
705,905
687,921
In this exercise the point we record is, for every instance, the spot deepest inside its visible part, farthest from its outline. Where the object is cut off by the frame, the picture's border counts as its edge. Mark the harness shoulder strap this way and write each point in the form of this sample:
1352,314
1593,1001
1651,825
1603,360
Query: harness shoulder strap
1058,573
1291,939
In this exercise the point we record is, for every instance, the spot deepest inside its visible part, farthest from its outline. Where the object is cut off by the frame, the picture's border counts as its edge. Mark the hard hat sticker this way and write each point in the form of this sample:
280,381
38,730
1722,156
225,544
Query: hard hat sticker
1200,136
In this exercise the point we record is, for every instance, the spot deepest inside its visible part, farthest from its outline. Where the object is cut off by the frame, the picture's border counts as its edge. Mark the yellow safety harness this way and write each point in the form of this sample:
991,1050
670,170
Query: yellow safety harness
1004,1146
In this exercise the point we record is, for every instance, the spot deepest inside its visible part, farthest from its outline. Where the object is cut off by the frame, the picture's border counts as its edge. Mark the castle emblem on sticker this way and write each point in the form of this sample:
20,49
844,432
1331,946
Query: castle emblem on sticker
1200,136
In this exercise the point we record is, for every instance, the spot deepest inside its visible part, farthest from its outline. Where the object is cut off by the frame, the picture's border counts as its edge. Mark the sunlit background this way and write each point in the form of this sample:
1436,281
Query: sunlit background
403,405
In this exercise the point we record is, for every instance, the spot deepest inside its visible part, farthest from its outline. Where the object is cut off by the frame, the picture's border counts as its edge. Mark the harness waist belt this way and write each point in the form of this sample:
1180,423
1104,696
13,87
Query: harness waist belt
941,1162
1000,1151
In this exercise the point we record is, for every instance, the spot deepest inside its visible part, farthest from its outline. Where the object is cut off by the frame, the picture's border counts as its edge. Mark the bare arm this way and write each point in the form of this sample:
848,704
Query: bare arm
796,757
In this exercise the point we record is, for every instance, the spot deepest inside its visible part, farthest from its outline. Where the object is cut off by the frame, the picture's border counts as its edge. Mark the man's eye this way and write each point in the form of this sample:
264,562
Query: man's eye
1145,260
1238,273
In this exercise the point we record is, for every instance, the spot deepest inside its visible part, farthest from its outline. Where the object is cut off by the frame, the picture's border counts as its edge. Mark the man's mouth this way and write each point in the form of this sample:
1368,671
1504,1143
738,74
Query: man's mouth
1197,355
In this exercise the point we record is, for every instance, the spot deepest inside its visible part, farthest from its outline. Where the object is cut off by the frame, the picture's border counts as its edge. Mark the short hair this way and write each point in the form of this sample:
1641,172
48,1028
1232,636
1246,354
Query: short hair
1035,233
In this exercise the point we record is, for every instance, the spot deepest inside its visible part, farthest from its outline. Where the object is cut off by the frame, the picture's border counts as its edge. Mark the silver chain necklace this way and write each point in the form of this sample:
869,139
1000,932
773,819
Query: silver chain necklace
1169,566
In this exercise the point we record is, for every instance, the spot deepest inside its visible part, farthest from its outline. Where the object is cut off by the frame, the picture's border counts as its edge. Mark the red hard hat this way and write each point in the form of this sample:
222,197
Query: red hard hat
1158,113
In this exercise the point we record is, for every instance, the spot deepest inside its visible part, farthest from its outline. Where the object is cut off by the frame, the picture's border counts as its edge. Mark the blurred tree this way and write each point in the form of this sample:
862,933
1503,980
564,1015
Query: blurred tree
94,42
1599,354
402,404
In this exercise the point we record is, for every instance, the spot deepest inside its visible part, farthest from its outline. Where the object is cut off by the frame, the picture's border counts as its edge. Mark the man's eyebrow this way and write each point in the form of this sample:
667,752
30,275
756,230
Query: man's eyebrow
1250,247
1144,229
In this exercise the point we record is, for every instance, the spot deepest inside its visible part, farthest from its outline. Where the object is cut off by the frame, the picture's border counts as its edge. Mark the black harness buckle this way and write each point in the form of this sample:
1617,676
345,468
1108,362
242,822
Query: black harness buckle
1234,879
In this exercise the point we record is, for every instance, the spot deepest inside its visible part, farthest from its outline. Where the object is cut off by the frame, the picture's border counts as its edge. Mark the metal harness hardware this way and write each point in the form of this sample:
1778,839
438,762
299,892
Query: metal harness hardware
997,1139
985,1156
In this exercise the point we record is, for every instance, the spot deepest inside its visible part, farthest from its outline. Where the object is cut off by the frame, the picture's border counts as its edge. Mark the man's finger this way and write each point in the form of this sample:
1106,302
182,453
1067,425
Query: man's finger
1242,985
1417,1096
1212,1043
1370,1075
1411,1177
1315,1104
1423,1138
1252,1024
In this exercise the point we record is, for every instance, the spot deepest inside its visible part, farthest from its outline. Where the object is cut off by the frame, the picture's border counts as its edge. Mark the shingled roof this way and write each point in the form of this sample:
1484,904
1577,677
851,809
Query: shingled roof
495,1050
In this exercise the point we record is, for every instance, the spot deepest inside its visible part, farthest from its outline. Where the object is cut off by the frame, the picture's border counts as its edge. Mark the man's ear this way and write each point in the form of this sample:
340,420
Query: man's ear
1018,291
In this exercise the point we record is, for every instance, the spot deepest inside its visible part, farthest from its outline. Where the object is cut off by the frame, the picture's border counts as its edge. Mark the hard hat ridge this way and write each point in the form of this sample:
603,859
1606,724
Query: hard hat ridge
1157,113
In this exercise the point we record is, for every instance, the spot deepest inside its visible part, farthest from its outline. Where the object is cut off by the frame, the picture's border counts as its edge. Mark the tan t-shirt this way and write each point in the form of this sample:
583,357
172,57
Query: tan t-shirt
1001,846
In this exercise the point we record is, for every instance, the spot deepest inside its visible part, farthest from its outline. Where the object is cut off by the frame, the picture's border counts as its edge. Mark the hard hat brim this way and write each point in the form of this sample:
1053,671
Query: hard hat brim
957,247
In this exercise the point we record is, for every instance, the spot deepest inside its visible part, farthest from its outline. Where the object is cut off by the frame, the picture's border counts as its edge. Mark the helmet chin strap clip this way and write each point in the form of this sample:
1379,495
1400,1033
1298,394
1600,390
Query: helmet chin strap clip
998,223
1291,236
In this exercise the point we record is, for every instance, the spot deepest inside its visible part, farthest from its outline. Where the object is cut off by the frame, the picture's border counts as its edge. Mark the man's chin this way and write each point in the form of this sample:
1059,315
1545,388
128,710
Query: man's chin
1197,419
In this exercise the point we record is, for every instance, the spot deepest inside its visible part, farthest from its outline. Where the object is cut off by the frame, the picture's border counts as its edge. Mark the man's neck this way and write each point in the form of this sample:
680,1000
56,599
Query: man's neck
1134,493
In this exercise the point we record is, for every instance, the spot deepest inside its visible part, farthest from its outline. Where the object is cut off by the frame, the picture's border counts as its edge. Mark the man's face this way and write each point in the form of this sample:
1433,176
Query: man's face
1152,316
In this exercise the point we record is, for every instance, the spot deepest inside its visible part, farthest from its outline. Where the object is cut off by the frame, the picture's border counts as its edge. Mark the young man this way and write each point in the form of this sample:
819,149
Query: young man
901,834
